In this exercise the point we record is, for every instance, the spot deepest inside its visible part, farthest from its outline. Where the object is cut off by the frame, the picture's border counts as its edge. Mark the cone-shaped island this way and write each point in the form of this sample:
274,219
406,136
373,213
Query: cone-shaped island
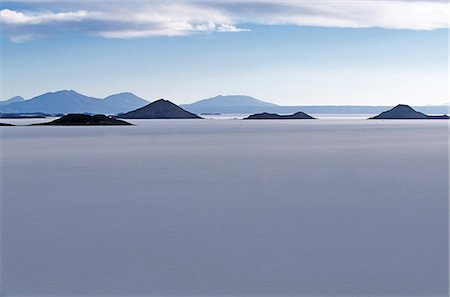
160,109
404,112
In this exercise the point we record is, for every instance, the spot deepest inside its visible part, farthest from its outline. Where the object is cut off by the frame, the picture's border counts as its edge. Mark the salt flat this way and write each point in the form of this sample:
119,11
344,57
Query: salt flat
226,207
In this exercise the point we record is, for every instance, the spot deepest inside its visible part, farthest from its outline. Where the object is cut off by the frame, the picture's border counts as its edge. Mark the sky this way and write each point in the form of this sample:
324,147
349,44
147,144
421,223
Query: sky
285,52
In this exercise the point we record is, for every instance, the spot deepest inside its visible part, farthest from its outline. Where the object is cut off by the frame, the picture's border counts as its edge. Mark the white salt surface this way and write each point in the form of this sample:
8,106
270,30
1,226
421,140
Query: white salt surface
205,207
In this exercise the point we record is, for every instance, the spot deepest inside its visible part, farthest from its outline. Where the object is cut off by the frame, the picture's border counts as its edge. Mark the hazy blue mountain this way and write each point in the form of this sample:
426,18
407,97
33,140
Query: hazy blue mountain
63,102
232,100
56,102
12,100
227,104
160,109
125,101
403,111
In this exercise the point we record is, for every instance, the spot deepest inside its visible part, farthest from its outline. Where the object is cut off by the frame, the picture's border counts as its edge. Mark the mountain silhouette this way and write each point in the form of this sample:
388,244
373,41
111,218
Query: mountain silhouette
12,100
85,119
273,116
231,100
64,102
228,104
403,111
69,101
160,109
126,101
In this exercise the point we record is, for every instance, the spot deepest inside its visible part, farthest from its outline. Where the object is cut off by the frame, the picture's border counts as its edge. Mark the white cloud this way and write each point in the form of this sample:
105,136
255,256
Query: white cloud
133,19
230,28
415,15
11,17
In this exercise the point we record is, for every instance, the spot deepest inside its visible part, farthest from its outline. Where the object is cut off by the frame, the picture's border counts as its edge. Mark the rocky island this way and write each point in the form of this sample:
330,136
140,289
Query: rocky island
159,109
404,112
273,116
76,119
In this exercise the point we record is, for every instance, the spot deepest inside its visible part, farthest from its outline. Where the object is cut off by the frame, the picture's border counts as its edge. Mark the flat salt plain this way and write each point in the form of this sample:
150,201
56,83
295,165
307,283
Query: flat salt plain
226,207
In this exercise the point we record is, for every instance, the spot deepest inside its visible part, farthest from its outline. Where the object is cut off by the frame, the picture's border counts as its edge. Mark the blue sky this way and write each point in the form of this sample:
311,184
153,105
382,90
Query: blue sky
296,54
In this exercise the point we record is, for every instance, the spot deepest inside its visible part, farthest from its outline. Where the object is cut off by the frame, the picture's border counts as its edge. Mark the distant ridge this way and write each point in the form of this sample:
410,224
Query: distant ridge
126,101
65,101
227,104
69,101
239,104
273,116
12,100
403,111
160,109
231,100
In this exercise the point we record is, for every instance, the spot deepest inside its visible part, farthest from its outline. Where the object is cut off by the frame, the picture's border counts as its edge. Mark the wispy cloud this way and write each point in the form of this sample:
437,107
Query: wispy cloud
11,17
133,19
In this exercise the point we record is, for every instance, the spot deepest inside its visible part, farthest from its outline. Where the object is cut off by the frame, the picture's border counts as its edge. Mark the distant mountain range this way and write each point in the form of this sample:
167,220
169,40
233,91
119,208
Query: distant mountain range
237,104
64,102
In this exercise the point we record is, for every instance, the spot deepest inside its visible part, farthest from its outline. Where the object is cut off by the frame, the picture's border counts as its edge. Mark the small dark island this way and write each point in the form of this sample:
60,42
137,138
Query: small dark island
76,119
5,124
160,109
273,116
405,112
